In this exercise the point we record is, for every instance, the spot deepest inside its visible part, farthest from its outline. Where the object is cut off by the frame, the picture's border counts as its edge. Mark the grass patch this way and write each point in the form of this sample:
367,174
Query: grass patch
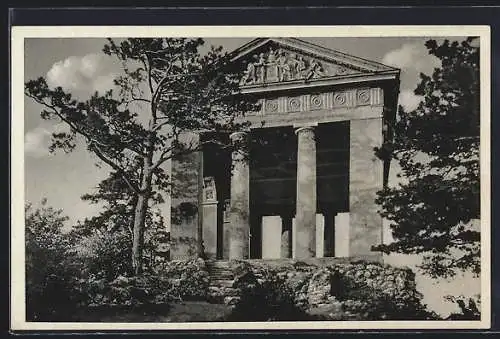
188,311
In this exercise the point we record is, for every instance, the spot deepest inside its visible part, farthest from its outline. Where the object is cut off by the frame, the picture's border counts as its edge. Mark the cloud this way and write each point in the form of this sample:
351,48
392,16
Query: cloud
37,140
413,56
83,75
412,59
409,100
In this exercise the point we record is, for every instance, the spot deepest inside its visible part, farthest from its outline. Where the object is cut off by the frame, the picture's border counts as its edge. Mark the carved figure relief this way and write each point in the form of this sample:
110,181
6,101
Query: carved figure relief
209,192
249,76
315,70
283,65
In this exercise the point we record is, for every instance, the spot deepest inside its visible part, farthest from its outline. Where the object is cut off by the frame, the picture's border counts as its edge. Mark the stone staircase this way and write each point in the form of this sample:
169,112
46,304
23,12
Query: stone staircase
220,289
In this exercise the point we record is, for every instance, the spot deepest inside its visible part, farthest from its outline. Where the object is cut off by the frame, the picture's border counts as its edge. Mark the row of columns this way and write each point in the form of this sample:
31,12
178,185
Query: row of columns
305,240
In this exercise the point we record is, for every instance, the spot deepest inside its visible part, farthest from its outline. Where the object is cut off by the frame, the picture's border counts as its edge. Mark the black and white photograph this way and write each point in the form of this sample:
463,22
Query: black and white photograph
279,178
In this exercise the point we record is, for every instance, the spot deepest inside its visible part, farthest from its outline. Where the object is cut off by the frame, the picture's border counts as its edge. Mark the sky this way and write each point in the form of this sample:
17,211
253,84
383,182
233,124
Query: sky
78,65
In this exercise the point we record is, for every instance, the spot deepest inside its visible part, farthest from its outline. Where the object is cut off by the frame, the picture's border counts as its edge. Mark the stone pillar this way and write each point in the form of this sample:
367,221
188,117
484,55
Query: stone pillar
240,198
226,229
320,235
185,197
365,179
209,220
305,218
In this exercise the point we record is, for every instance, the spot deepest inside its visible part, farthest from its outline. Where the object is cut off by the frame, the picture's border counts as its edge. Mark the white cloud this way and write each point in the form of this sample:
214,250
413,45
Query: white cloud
82,75
409,100
412,59
411,56
37,140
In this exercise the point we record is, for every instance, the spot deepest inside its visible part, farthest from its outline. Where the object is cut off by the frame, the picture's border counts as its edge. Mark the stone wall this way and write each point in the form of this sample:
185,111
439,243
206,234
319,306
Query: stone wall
365,179
185,203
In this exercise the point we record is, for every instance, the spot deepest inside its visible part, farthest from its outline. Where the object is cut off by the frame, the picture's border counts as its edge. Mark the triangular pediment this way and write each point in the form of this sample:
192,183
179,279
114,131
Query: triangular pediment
287,60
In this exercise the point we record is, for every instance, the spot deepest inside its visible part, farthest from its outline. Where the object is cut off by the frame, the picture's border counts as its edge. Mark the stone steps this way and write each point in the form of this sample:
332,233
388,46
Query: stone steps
220,288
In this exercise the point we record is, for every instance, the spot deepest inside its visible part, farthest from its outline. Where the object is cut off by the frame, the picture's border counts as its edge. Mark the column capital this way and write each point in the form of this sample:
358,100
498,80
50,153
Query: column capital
238,136
304,127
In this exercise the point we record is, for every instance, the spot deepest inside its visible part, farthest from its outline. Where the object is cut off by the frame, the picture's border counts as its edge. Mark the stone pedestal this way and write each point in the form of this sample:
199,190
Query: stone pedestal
209,219
210,229
305,218
342,235
365,179
271,226
240,198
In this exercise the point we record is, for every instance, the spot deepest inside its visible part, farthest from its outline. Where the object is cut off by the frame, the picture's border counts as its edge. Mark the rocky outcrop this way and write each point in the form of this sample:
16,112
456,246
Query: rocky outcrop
336,291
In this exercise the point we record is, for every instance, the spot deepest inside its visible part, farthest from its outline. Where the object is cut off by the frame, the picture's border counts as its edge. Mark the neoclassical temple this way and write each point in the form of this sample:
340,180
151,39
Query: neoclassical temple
302,181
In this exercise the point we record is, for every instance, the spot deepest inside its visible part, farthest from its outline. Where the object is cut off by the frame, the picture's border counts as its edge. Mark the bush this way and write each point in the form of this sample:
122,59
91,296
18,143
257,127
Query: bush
470,308
50,272
172,281
267,298
106,255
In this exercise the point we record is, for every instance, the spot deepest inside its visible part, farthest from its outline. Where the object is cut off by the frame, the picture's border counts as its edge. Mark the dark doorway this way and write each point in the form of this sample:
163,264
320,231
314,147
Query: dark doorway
332,161
273,176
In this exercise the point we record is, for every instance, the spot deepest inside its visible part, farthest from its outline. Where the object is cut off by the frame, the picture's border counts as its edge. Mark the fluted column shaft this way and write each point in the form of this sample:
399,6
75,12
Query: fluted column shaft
240,198
305,240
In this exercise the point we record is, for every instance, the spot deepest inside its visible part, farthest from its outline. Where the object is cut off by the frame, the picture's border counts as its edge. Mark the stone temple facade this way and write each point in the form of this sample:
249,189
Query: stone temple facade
302,181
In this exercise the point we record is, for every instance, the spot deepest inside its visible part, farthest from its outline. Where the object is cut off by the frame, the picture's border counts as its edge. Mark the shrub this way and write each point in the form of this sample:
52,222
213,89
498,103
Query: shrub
470,308
267,298
50,272
106,255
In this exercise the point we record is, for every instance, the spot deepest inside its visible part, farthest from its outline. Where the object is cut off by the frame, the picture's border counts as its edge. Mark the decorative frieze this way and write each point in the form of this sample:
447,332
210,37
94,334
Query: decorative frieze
294,104
363,97
322,101
280,65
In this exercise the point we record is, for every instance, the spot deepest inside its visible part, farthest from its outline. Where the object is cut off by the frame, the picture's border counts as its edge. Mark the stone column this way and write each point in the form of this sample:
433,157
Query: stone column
305,218
240,198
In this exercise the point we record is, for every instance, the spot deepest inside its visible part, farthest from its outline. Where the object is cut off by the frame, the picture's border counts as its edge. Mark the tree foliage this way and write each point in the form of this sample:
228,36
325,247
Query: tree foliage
168,87
437,147
49,268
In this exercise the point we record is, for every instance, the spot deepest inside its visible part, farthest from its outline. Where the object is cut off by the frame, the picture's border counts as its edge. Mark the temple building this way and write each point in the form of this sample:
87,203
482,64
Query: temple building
301,182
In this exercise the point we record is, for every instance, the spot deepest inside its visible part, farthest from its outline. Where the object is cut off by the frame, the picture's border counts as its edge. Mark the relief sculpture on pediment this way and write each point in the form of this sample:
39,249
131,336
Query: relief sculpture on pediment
278,65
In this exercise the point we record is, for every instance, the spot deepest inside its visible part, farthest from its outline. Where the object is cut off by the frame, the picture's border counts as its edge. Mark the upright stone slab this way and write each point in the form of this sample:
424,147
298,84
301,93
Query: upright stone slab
226,229
365,179
209,218
185,200
320,235
342,237
271,236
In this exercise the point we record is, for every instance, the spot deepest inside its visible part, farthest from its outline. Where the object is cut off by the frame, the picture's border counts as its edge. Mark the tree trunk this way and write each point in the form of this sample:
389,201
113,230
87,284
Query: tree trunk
138,239
141,209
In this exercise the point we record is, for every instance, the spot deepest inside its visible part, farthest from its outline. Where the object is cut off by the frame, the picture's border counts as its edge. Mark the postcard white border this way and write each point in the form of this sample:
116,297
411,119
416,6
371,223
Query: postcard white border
19,33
